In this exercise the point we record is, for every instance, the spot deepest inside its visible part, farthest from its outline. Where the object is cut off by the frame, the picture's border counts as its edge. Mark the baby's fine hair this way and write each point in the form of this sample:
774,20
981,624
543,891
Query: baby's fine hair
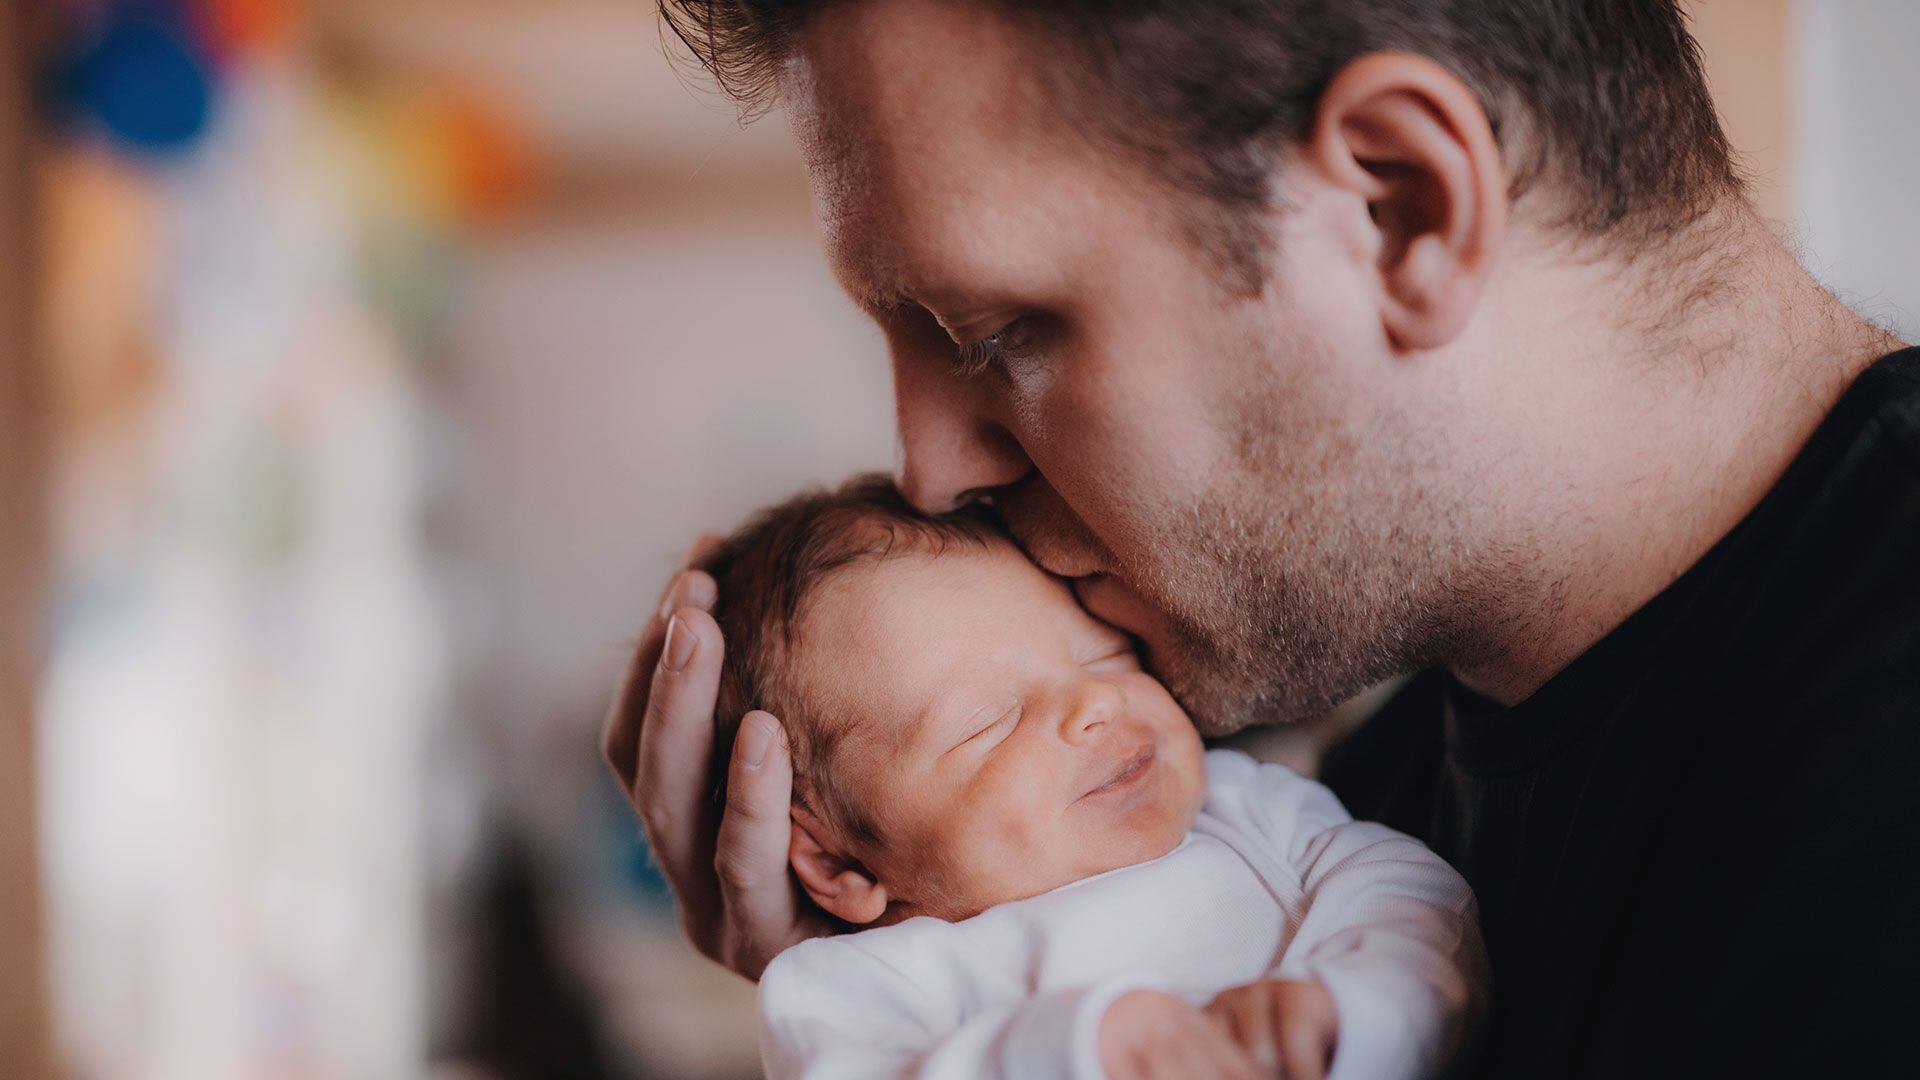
767,570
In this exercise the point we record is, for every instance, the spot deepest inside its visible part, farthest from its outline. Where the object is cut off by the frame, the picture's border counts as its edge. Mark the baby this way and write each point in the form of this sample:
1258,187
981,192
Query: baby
1046,870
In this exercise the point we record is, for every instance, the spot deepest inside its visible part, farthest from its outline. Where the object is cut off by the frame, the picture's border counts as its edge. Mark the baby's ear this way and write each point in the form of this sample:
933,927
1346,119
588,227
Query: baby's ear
836,882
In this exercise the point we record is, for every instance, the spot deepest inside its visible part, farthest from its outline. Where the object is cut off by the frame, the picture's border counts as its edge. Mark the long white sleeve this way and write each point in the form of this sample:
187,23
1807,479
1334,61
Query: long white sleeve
832,1009
1385,925
1275,880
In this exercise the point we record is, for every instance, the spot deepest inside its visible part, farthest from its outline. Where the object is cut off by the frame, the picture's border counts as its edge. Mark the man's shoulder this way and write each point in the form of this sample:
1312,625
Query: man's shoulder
1832,614
1881,461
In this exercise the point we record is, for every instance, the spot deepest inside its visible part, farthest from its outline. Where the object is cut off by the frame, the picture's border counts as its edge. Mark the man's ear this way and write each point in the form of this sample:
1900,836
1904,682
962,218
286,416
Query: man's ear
1411,139
837,882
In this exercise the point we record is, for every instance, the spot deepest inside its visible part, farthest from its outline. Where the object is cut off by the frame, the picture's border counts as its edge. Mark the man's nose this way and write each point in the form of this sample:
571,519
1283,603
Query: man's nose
1091,705
951,449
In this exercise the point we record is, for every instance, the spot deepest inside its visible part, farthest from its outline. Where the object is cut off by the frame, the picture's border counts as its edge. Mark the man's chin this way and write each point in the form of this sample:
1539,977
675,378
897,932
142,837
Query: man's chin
1221,699
1220,693
1181,664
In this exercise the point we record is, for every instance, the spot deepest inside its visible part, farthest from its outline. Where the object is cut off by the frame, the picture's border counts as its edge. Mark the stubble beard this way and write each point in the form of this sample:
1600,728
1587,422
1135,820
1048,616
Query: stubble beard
1260,630
1326,557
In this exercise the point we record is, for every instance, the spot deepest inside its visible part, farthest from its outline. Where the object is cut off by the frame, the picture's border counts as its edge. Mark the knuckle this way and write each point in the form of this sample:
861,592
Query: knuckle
741,806
655,814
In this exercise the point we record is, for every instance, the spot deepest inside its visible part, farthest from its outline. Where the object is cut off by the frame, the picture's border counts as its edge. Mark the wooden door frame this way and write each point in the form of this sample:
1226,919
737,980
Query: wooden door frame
24,1039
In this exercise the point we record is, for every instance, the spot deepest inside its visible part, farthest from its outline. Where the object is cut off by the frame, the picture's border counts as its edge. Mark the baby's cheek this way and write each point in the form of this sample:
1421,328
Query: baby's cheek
1003,847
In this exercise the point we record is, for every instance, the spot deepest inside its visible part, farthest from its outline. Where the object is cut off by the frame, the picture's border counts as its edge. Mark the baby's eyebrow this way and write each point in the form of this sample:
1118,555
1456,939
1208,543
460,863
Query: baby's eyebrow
902,737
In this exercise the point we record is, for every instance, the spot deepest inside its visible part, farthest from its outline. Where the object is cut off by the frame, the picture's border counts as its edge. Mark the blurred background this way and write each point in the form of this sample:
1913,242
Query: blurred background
365,366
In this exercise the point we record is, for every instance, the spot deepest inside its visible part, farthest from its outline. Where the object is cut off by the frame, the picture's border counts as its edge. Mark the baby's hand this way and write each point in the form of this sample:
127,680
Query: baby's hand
1148,1035
1287,1026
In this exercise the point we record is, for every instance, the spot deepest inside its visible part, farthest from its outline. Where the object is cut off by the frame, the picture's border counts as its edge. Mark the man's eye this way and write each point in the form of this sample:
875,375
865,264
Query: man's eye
973,358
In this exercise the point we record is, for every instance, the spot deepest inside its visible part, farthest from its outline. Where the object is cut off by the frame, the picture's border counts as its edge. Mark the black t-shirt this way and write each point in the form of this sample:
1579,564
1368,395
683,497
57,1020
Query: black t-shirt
1697,848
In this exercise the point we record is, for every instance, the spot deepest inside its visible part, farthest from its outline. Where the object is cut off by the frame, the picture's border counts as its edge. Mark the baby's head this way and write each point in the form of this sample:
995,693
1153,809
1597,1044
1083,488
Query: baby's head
963,733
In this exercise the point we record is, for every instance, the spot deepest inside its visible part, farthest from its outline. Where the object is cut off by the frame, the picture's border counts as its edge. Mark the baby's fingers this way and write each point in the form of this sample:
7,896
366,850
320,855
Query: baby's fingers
1211,1052
1250,1025
1306,1047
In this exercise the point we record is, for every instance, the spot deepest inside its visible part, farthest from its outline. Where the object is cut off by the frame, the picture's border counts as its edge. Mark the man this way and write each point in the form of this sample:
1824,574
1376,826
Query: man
1320,343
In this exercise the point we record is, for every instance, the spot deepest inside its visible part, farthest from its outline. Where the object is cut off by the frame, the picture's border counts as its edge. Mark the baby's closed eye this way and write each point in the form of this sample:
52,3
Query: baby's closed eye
1112,656
990,723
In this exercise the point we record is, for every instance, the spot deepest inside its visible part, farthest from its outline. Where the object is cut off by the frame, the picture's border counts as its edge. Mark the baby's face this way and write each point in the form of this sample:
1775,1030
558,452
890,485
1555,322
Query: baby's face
1001,740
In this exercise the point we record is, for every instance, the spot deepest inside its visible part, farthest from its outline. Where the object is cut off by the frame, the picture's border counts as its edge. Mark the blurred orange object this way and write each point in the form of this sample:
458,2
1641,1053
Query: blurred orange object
237,27
491,162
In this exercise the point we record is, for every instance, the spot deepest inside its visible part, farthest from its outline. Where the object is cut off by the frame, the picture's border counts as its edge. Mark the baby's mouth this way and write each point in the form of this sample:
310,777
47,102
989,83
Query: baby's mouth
1129,772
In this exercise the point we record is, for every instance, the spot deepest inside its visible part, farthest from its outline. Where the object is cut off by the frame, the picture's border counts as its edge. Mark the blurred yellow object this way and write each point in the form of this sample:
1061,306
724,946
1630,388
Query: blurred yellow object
452,158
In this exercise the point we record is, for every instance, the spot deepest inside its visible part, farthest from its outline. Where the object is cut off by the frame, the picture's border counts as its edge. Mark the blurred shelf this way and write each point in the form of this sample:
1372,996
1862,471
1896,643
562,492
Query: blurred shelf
591,78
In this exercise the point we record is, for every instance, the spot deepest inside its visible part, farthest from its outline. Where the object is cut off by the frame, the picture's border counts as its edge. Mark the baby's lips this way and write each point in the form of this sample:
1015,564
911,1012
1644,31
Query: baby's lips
1126,760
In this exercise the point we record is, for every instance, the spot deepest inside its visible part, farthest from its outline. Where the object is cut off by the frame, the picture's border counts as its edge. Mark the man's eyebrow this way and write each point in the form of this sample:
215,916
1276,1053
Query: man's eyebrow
880,301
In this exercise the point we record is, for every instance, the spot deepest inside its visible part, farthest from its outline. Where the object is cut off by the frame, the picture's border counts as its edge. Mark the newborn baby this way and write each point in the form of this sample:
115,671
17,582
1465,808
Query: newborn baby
1047,872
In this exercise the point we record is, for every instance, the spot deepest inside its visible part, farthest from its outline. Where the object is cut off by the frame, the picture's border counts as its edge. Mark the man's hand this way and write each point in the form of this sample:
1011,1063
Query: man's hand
1149,1035
728,870
1288,1027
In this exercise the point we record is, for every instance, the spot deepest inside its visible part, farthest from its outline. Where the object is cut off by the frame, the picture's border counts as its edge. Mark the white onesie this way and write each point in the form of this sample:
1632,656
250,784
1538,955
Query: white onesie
1275,880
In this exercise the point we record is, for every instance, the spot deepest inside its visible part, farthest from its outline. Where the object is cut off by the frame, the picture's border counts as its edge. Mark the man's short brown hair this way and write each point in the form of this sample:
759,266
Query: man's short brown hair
767,570
1605,98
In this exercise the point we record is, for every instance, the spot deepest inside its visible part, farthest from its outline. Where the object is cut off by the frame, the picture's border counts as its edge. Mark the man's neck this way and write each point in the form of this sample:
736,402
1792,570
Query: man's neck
1646,427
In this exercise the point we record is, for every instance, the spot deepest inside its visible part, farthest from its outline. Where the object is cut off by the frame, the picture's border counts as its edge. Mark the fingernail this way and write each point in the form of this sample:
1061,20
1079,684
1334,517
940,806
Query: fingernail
756,738
679,645
672,600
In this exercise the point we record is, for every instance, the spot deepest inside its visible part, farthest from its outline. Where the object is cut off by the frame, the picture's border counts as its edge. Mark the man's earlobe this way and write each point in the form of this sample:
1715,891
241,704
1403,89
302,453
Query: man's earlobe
838,883
1412,141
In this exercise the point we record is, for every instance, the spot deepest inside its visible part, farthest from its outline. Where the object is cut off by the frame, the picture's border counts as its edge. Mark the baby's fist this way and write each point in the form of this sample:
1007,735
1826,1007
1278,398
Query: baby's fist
1148,1035
1287,1026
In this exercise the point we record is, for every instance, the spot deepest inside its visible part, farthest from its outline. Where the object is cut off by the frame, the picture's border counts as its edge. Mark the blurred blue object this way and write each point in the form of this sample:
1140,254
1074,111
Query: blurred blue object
625,847
143,80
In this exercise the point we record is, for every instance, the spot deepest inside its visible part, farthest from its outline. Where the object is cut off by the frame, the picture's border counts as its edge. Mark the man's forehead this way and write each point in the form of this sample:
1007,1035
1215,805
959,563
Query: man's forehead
919,121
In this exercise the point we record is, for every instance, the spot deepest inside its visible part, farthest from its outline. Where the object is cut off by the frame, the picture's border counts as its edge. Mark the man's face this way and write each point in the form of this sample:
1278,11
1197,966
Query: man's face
1244,482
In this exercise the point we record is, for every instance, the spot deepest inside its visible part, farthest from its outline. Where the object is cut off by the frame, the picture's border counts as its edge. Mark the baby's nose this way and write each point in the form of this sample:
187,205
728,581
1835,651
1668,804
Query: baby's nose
1093,704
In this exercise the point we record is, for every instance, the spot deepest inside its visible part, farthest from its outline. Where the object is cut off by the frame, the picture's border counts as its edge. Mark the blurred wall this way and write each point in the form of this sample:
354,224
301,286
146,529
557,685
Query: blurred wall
649,349
1747,47
1857,88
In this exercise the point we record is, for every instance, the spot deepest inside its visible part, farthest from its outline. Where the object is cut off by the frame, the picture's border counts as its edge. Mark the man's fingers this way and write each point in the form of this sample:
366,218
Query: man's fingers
620,734
691,588
673,785
756,831
704,547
